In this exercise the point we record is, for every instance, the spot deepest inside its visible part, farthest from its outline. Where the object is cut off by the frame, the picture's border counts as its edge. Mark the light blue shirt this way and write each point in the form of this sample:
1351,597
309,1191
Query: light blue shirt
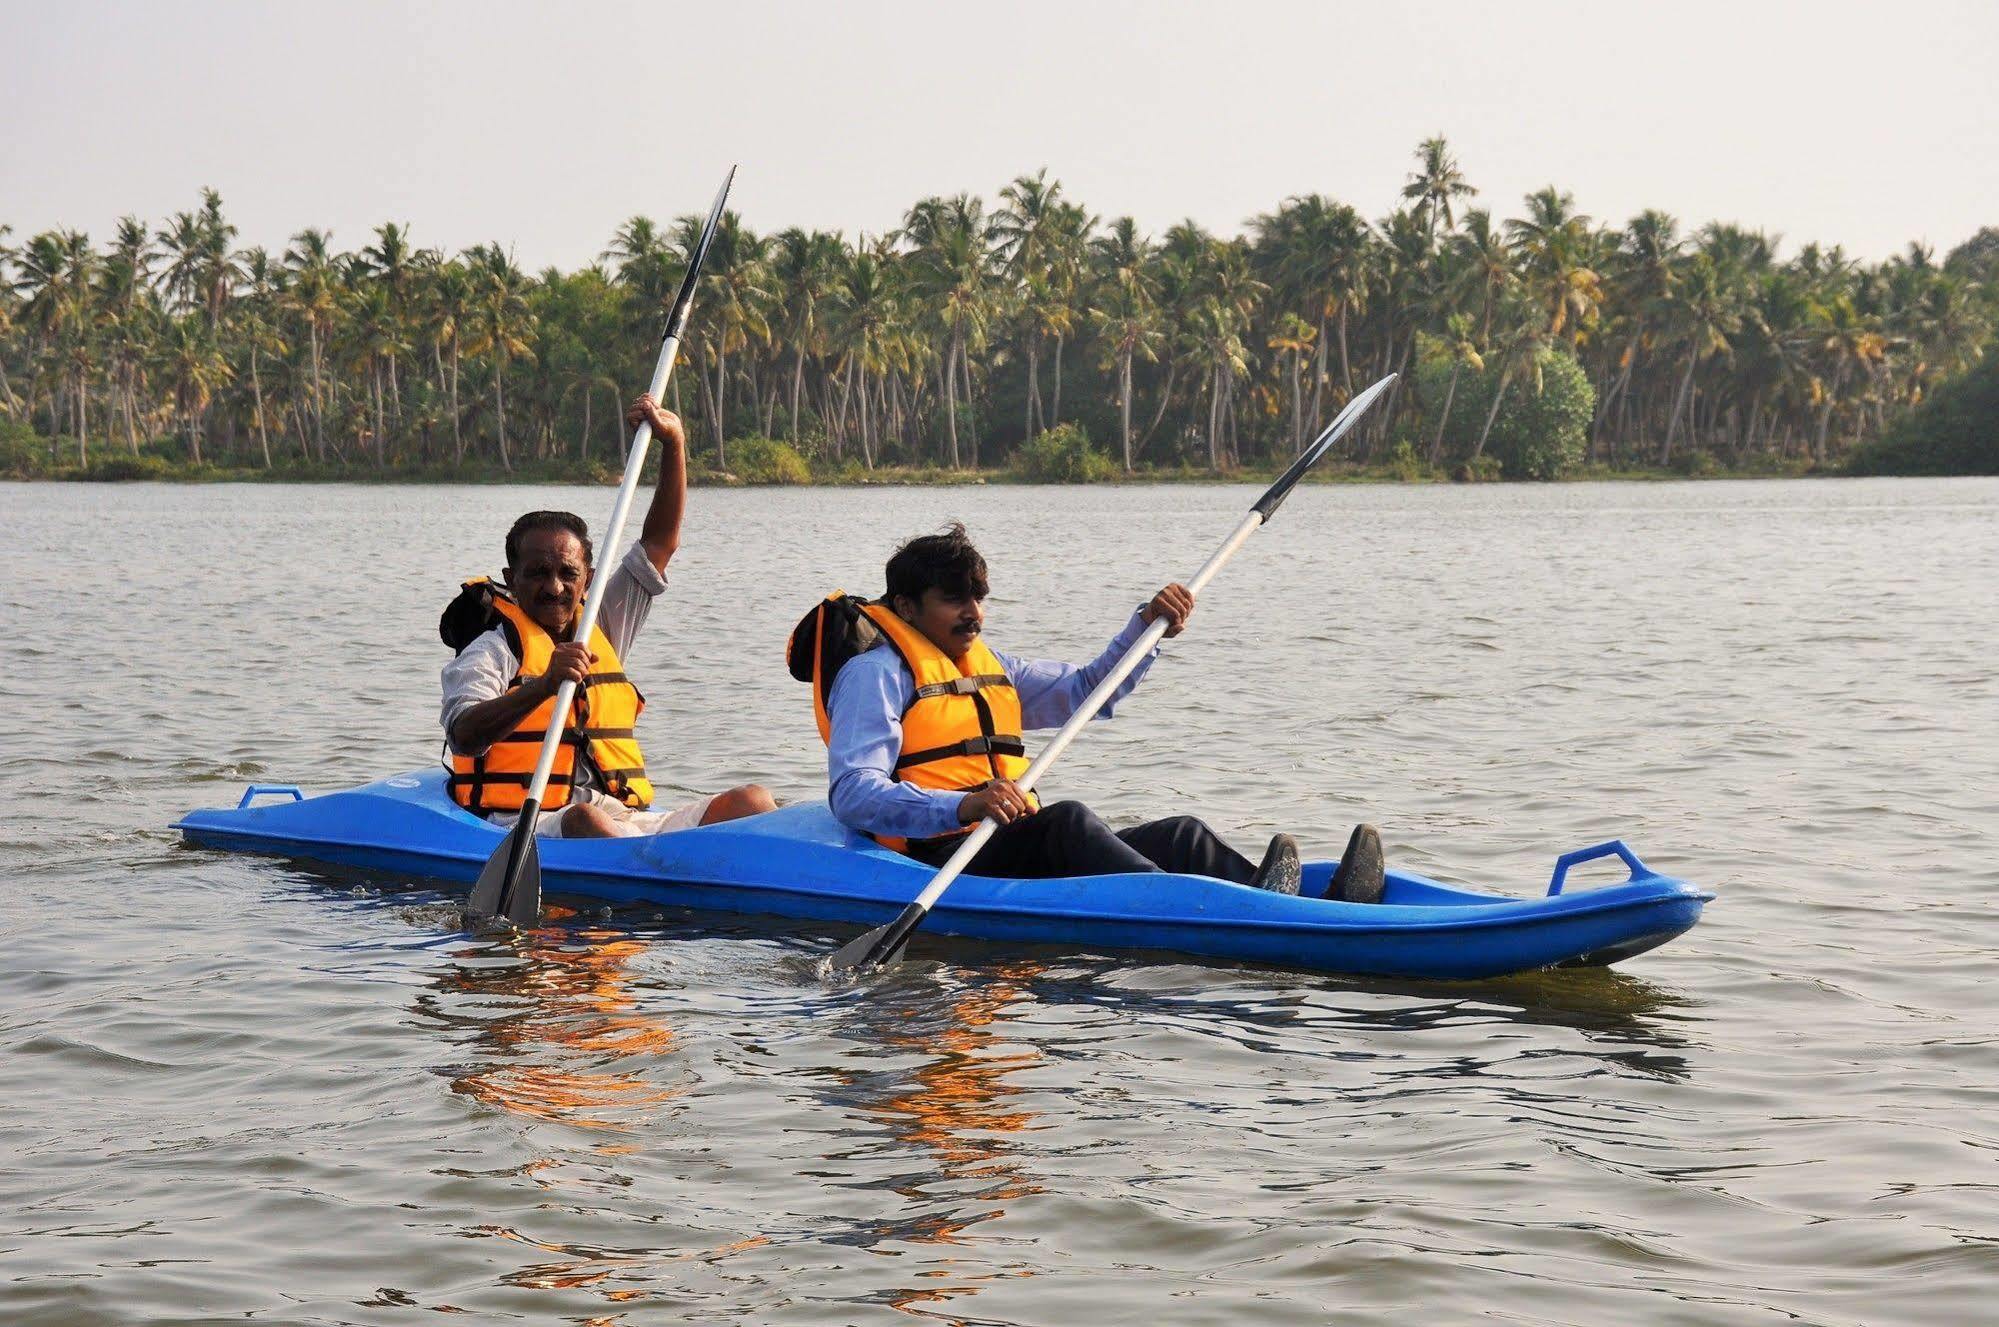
866,707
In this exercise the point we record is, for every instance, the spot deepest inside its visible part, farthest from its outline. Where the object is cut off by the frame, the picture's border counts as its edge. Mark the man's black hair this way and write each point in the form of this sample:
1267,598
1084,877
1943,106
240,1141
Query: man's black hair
548,520
943,561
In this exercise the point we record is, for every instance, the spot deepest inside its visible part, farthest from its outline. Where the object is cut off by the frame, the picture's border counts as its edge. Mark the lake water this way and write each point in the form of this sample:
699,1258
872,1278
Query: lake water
235,1088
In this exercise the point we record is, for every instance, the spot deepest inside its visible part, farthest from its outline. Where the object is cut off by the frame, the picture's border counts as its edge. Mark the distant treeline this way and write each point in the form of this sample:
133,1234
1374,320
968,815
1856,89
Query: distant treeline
1528,346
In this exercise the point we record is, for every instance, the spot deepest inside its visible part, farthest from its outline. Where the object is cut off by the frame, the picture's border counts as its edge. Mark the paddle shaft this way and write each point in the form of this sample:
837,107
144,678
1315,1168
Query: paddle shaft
1096,700
565,695
514,890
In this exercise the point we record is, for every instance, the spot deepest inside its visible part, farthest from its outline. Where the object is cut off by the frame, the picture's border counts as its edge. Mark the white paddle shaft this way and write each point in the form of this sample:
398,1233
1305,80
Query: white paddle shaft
635,461
1085,712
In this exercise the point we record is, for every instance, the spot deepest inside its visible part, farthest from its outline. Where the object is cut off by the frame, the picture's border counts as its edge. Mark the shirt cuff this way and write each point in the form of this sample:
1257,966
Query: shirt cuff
646,576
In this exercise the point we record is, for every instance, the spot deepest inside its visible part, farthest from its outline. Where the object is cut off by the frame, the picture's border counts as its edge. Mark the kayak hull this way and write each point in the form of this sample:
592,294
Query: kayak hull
799,862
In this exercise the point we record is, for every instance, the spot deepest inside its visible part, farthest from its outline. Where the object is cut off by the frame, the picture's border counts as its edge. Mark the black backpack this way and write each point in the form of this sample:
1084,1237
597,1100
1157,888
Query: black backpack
833,631
471,615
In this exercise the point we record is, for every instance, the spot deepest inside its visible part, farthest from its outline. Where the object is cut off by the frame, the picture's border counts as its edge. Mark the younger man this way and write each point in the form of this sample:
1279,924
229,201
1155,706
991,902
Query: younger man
924,740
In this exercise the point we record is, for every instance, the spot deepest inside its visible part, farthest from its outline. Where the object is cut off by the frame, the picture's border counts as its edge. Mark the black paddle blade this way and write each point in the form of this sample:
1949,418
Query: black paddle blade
676,320
1273,497
882,945
510,885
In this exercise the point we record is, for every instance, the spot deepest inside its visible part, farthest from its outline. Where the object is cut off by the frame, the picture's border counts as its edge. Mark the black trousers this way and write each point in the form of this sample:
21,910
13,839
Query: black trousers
1068,838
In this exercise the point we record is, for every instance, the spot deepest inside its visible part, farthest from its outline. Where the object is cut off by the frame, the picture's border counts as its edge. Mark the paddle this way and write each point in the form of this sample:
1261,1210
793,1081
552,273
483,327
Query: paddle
510,884
882,944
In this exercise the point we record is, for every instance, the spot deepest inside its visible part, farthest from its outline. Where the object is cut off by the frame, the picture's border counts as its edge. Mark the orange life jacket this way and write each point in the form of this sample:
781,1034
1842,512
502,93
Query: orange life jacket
962,726
600,723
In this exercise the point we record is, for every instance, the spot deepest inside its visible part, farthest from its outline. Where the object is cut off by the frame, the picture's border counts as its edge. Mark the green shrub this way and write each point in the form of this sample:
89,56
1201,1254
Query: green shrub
1695,464
23,451
767,461
1062,455
1955,431
1405,463
113,468
1477,470
1542,426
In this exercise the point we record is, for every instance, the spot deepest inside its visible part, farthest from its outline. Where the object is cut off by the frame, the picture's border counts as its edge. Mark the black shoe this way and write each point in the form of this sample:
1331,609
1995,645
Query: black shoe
1359,877
1279,871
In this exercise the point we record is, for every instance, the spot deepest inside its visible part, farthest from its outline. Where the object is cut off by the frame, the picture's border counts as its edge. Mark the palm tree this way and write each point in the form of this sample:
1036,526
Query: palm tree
1128,327
447,315
952,275
1436,184
1847,340
1521,350
734,298
194,366
57,275
1552,241
393,264
501,324
253,325
1463,353
1703,316
129,314
864,331
1318,260
805,270
312,300
1292,339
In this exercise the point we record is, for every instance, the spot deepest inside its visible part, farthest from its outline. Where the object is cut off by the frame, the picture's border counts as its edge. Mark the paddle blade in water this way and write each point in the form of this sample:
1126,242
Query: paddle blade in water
510,885
882,945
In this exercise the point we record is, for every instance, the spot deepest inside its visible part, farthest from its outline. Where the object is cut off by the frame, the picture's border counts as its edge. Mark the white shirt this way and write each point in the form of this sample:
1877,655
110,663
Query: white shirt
483,669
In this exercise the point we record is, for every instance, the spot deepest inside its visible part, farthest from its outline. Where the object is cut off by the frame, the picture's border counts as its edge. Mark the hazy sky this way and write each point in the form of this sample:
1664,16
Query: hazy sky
544,126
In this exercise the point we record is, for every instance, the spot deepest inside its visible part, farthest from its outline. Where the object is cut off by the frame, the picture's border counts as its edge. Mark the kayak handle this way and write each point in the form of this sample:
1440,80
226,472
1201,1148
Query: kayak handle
255,790
1614,848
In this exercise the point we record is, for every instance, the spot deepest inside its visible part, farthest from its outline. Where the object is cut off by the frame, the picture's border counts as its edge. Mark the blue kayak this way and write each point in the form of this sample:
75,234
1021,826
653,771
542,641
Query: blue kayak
799,862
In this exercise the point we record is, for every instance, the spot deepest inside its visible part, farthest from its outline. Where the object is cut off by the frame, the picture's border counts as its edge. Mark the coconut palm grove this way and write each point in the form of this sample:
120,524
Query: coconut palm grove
1025,335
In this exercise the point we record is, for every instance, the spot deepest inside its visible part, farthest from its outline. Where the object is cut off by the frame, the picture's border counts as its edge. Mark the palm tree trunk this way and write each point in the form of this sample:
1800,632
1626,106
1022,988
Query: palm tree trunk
500,409
375,383
951,399
1319,378
1215,420
1297,406
1055,415
257,386
1124,405
1033,406
1505,377
1159,413
1444,416
797,388
318,393
1679,402
1346,367
457,432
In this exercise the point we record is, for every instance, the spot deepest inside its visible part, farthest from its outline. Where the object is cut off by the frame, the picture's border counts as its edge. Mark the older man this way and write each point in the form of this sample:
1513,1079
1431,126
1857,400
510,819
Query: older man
499,692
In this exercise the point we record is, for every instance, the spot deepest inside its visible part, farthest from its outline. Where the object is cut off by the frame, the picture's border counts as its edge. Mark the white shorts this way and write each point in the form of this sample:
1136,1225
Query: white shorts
630,821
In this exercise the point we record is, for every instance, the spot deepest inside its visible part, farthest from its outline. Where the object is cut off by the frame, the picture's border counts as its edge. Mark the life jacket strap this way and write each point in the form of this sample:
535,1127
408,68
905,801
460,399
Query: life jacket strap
963,686
985,745
491,776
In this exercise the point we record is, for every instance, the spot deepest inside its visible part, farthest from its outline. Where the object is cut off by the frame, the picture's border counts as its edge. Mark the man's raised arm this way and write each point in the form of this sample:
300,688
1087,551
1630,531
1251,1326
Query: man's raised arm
660,535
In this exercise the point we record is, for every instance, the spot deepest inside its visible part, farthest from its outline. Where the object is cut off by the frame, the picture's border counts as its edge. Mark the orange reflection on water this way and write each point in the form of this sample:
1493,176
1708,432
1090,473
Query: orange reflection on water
959,1095
578,1008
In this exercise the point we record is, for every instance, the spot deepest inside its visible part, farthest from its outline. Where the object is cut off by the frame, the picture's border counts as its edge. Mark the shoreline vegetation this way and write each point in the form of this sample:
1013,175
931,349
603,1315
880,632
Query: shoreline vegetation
1028,340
